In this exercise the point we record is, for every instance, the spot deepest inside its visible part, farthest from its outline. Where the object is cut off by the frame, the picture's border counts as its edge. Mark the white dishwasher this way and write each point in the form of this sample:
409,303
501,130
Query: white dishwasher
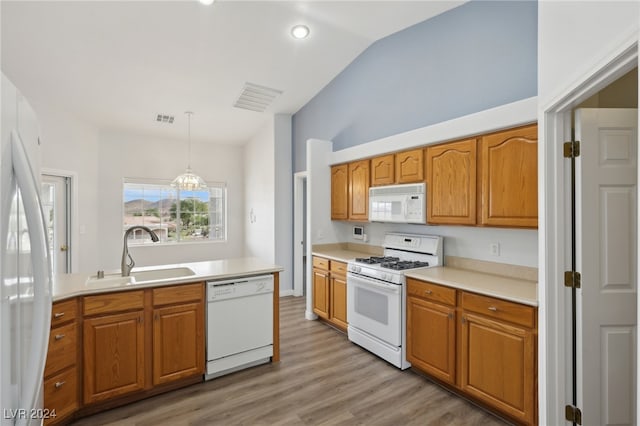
239,324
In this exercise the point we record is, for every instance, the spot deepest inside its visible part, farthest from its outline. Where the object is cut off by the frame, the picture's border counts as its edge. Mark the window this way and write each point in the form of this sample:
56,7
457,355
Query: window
174,215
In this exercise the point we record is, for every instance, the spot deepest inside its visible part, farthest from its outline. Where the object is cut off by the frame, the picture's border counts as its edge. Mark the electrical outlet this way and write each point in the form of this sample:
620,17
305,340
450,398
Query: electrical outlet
494,249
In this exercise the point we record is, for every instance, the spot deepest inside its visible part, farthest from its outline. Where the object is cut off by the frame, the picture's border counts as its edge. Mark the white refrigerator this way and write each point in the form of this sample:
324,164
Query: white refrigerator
25,269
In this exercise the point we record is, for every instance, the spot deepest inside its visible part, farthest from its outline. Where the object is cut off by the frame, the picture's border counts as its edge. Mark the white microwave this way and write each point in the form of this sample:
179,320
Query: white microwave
398,203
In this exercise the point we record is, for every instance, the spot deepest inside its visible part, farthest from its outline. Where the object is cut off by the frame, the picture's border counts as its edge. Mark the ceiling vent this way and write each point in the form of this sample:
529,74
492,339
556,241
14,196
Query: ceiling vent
255,97
164,118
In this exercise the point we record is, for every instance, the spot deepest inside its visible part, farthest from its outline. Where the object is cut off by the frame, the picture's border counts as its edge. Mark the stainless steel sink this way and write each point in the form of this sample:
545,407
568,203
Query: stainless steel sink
141,277
161,274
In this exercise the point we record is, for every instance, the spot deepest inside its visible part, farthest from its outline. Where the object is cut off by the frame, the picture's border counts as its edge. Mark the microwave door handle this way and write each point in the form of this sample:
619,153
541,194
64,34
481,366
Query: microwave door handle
405,206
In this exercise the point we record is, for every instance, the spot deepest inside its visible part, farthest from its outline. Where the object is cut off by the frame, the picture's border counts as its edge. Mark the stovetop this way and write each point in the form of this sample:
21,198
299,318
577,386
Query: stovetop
402,252
392,262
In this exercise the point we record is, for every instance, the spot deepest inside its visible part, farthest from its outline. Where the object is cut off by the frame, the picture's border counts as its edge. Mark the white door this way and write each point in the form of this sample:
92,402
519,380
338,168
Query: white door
606,257
55,203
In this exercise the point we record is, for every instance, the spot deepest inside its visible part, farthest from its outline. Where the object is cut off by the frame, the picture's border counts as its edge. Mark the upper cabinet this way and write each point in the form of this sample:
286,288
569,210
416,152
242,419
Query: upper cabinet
410,166
509,170
382,170
339,192
359,190
451,181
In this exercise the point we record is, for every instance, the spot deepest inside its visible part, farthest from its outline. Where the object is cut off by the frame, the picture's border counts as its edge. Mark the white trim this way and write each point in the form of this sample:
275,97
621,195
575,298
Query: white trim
299,183
286,292
554,128
509,115
74,231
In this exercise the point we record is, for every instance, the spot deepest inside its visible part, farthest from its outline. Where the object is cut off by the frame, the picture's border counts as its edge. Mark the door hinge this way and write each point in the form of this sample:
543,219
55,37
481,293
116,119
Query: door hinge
572,149
573,414
572,279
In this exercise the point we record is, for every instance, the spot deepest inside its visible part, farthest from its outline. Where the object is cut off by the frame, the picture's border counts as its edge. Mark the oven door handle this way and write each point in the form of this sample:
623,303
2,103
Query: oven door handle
389,288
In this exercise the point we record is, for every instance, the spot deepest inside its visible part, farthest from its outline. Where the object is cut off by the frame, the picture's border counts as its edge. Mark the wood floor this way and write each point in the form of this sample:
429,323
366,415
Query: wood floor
322,379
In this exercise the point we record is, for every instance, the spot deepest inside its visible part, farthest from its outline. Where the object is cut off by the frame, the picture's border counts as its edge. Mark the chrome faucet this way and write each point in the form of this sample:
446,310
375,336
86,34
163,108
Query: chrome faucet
127,261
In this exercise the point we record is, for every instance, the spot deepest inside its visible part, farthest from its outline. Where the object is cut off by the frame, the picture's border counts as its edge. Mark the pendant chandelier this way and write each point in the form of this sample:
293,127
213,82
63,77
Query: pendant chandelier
188,181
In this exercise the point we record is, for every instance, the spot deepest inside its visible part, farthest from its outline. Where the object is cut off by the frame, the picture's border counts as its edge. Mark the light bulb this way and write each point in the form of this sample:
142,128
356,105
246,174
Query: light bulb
300,31
206,2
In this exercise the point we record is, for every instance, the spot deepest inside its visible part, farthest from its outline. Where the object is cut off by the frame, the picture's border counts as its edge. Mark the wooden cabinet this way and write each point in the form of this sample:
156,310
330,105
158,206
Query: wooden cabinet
431,329
409,166
509,170
340,192
350,191
383,170
359,190
114,352
61,373
338,294
178,333
125,352
489,354
451,182
330,291
498,355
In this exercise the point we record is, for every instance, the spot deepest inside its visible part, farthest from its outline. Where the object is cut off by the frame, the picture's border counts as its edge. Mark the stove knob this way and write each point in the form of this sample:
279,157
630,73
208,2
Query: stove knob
357,269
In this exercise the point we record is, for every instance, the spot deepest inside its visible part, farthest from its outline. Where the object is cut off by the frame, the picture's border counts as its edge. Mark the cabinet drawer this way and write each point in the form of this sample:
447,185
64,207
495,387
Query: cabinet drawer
113,302
62,348
178,294
431,291
501,309
320,262
61,394
62,312
338,267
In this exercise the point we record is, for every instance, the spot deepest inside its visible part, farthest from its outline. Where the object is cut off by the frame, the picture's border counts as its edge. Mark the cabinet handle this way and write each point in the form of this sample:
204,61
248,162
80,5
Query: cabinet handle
493,309
450,315
463,320
428,292
156,317
140,320
59,336
58,385
58,315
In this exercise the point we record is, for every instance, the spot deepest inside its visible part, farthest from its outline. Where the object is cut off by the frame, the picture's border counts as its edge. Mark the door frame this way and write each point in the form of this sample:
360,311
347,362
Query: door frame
299,272
72,224
554,349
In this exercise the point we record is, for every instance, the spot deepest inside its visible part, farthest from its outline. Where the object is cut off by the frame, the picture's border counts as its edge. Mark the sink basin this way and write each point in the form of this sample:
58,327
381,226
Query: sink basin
160,274
141,277
109,280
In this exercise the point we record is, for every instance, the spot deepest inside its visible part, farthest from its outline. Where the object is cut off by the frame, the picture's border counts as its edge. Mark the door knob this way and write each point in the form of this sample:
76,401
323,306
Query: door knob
64,247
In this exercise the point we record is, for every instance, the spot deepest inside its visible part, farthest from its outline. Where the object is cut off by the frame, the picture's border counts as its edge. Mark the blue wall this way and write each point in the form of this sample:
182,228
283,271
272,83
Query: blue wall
471,58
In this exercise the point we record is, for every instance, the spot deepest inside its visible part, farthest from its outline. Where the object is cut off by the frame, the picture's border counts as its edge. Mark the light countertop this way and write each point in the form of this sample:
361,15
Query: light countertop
513,289
71,285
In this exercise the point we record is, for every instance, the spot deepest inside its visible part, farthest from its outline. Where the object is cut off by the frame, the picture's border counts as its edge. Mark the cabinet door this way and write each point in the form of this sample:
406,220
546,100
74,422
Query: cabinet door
339,192
382,170
431,338
498,365
451,180
178,342
359,190
338,293
510,178
410,166
321,293
113,355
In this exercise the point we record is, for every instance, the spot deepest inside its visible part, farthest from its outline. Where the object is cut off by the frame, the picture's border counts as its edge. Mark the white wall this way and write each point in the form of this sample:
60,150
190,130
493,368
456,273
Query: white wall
258,217
268,215
124,155
283,203
71,145
573,37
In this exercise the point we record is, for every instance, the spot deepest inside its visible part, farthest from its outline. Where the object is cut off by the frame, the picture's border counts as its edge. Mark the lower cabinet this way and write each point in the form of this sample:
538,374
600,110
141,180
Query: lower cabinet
114,355
136,340
61,390
330,291
178,334
488,355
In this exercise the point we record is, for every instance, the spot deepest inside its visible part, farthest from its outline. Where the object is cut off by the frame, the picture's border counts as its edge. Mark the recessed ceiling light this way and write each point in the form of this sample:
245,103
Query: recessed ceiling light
300,31
206,2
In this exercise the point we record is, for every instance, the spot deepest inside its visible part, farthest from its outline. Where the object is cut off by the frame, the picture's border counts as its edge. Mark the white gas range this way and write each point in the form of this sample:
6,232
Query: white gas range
376,293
